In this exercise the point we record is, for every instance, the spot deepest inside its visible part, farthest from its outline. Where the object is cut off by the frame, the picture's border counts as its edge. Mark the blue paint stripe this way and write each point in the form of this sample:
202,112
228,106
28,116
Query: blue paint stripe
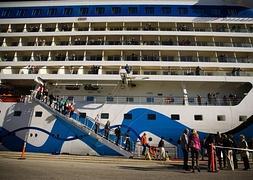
141,10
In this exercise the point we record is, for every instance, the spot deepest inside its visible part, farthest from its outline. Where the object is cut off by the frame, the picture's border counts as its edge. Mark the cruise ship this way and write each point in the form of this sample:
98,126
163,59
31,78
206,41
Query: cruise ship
154,67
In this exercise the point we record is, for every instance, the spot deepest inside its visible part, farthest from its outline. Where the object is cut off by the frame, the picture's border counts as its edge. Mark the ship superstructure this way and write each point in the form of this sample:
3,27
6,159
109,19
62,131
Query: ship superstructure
155,67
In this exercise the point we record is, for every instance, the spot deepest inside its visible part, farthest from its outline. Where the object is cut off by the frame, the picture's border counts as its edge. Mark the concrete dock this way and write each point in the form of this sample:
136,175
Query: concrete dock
64,167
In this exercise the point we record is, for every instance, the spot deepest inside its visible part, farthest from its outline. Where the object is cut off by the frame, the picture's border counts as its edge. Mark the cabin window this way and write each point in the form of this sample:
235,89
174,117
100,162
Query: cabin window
52,11
17,113
166,10
68,11
128,116
130,99
132,10
198,117
104,116
151,116
84,11
6,12
242,118
36,12
38,114
149,10
100,10
116,10
109,99
221,118
21,12
215,12
150,100
90,98
182,11
82,115
175,117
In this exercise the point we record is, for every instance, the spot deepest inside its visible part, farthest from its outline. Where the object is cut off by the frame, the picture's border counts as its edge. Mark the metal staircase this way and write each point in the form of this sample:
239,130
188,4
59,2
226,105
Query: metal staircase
86,129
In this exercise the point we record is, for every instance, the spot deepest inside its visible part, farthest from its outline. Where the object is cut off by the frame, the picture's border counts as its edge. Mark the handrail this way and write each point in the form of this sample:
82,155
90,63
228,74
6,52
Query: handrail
87,125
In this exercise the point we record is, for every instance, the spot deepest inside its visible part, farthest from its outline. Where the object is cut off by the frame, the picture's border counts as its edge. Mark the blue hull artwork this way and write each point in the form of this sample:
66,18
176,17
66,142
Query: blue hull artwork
161,126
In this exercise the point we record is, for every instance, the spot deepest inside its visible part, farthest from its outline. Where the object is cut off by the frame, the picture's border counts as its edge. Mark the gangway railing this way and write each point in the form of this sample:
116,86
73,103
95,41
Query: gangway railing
87,128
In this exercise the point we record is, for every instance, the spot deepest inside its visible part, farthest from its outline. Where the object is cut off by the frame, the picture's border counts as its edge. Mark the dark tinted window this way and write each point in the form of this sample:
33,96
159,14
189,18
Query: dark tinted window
104,115
150,99
149,10
166,10
90,98
100,10
38,114
198,117
109,98
128,116
52,11
175,117
17,113
68,11
6,12
182,11
132,10
151,116
84,11
116,10
36,12
21,12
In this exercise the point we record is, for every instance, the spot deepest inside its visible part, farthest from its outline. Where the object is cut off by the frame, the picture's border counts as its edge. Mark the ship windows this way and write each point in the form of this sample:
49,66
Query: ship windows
166,10
128,116
152,117
17,113
182,11
116,10
52,11
109,99
198,117
150,100
90,98
38,113
68,11
6,12
221,118
100,10
21,12
104,116
37,12
84,11
132,10
242,118
149,10
129,99
175,117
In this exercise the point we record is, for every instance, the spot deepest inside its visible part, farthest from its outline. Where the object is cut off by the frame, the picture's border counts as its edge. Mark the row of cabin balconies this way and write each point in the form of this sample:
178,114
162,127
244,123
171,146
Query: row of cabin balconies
135,70
127,26
126,56
128,40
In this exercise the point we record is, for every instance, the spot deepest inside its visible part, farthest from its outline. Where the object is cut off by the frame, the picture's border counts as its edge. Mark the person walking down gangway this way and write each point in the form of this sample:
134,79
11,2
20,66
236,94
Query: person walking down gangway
107,129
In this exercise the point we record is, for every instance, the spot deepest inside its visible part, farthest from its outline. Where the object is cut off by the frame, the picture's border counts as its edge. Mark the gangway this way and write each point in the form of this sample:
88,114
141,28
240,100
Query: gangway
86,129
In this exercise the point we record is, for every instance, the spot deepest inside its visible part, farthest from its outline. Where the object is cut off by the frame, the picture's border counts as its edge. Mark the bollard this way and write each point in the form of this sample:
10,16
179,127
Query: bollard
23,151
212,167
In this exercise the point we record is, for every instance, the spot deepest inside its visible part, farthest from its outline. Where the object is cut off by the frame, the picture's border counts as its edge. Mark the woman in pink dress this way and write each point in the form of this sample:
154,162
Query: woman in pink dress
194,144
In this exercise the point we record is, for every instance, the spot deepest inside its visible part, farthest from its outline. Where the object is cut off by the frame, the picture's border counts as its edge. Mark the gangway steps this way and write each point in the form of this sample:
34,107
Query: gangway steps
86,130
